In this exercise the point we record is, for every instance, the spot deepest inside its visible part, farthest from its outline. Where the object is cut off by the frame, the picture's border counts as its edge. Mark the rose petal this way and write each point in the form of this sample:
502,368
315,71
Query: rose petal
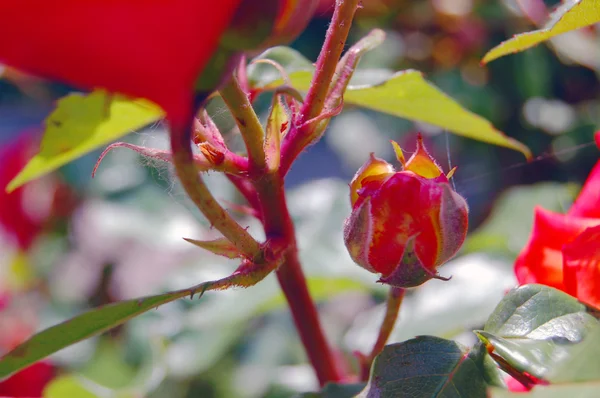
588,201
373,169
582,267
541,260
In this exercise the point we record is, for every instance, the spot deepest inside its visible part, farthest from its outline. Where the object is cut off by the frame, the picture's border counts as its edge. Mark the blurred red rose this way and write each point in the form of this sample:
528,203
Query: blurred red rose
17,323
564,249
154,49
30,382
19,223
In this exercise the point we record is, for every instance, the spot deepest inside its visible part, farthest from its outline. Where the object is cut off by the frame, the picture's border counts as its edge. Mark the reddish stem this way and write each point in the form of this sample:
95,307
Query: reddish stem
278,225
297,139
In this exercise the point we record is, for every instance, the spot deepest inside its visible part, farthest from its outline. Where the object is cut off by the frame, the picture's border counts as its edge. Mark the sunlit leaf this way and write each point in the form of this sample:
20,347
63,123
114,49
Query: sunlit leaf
428,366
82,123
408,95
404,94
574,14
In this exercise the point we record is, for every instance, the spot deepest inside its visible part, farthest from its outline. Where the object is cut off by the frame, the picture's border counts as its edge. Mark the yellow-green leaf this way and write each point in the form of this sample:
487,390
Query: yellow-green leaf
575,14
277,125
408,95
67,386
82,123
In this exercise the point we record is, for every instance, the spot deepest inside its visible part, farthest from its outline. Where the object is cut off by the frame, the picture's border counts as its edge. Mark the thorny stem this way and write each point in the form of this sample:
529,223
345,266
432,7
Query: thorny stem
394,300
269,187
278,225
183,160
298,138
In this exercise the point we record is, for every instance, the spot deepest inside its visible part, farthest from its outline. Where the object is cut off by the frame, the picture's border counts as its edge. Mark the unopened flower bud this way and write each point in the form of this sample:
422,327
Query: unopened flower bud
404,224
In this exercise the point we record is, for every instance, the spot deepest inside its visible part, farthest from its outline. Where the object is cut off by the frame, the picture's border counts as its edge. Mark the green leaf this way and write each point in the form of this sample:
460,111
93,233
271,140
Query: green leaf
79,328
262,75
408,95
405,94
103,318
425,367
508,227
537,312
277,125
579,390
67,386
546,333
554,359
82,123
572,15
332,390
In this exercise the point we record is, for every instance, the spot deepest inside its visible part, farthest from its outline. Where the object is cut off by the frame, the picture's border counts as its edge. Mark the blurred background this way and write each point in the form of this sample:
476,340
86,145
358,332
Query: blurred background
69,242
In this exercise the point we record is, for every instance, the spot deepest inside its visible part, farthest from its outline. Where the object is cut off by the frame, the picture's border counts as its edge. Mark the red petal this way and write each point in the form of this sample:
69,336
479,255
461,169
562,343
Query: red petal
152,48
588,201
541,260
393,210
582,267
29,382
14,218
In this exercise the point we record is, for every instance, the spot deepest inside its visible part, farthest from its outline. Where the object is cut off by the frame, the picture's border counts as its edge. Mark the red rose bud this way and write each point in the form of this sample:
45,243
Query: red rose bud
404,224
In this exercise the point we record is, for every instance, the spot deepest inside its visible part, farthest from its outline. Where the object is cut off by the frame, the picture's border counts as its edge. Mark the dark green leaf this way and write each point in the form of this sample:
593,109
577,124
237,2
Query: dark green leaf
336,391
555,359
425,367
538,312
545,333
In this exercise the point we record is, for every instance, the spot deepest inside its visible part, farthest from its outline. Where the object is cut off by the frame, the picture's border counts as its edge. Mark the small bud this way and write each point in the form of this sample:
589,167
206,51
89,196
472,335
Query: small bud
404,224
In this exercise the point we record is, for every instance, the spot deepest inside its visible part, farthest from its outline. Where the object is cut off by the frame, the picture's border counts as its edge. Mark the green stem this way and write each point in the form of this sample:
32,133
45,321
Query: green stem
181,134
394,300
252,131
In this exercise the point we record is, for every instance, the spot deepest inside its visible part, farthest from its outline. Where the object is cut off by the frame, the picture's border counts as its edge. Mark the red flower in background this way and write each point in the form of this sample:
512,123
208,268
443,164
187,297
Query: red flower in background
16,220
564,249
154,49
